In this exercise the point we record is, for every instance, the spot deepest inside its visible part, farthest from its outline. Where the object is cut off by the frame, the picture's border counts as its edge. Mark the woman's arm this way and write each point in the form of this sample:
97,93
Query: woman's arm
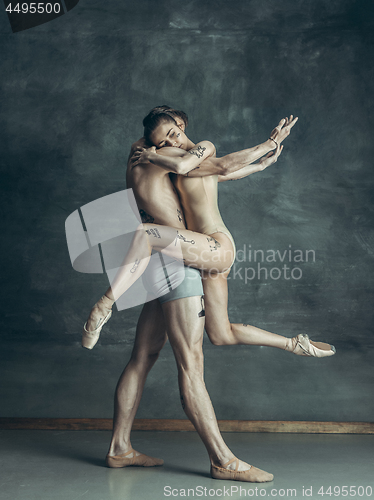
265,162
237,165
171,159
188,162
177,160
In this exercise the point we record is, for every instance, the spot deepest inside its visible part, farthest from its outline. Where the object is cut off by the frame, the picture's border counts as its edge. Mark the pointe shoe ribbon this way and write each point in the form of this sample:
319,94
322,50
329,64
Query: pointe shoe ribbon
251,475
90,338
138,460
306,347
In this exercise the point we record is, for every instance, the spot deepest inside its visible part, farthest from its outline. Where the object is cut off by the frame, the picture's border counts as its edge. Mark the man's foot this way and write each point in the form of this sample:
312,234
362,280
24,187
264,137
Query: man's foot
236,470
99,315
132,457
303,346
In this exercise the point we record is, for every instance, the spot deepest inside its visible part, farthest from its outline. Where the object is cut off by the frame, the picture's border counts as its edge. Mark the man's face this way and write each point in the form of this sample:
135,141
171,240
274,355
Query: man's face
168,134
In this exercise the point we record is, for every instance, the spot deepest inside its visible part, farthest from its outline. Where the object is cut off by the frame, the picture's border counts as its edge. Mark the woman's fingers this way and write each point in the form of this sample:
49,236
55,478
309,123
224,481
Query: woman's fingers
292,122
277,151
271,157
275,132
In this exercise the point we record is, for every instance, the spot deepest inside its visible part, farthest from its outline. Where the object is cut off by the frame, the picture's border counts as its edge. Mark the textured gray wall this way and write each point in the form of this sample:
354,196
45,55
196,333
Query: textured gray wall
73,93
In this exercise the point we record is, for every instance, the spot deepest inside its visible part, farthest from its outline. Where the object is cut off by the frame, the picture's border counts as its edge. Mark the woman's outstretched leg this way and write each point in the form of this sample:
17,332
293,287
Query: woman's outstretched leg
221,332
214,253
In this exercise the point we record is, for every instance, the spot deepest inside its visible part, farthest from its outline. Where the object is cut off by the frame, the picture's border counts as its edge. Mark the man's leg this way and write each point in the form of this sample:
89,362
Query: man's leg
150,339
185,327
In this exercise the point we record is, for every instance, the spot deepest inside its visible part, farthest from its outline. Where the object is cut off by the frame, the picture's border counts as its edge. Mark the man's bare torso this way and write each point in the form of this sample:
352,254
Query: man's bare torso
154,192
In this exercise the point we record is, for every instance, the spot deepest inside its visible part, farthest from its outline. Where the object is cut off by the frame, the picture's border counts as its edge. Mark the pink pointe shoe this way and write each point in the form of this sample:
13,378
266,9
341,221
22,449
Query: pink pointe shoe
303,346
90,338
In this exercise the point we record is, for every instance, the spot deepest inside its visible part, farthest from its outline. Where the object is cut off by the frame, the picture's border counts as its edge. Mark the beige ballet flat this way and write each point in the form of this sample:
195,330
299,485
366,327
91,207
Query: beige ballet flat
115,461
90,338
252,475
306,347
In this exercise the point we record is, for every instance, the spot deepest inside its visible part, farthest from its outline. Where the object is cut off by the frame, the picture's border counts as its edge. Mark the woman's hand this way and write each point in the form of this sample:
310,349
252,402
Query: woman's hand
143,155
283,129
270,158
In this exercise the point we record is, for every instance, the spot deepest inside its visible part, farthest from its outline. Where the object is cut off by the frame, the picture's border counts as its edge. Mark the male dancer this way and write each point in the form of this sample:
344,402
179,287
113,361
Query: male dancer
180,314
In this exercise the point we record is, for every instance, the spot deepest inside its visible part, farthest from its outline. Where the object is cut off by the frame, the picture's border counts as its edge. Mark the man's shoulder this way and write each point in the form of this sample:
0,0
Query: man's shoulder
136,146
147,169
140,144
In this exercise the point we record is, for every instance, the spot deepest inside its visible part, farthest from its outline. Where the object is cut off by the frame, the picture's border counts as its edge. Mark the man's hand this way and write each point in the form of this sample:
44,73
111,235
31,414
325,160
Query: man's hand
283,129
143,155
270,158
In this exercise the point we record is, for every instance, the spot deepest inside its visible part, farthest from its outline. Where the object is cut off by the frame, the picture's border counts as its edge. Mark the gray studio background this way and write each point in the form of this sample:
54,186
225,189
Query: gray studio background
73,94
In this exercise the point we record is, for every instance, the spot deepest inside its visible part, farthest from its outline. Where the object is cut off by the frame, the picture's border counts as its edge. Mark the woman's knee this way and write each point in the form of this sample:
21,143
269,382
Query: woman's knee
219,336
141,240
225,247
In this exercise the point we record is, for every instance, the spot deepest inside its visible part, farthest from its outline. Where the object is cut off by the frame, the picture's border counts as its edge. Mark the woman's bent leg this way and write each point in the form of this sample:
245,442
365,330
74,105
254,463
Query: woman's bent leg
221,332
197,250
212,253
217,324
201,251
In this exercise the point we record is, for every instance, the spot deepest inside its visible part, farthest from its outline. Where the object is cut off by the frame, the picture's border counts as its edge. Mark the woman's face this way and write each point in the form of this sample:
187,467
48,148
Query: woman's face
168,134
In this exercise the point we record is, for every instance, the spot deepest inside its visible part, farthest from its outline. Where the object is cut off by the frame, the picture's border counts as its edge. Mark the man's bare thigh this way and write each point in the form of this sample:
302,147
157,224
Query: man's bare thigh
185,320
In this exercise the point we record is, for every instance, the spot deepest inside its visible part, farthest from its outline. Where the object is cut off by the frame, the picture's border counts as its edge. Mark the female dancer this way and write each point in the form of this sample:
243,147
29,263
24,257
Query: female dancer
210,246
